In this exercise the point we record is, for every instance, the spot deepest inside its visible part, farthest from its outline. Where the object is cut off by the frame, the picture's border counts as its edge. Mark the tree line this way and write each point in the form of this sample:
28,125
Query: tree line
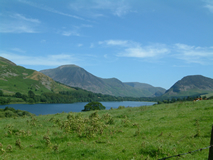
80,95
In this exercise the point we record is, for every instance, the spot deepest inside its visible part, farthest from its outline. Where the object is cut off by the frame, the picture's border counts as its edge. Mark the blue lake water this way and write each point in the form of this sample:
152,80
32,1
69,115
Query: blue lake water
42,109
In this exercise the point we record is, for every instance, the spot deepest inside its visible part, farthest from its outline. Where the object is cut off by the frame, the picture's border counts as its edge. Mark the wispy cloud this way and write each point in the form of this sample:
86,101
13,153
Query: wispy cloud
115,42
49,60
194,54
186,53
80,45
17,23
70,33
74,31
94,7
43,41
18,50
134,49
21,17
209,5
49,9
153,51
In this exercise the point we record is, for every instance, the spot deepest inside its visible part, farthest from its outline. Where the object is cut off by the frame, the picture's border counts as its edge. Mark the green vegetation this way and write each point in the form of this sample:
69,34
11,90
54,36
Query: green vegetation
11,112
76,95
191,86
146,132
91,106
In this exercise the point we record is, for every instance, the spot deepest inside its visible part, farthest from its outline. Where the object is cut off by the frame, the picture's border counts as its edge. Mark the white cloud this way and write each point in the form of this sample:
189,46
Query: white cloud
17,23
49,9
74,31
144,52
184,52
93,7
114,42
21,17
18,50
184,46
49,60
80,45
92,45
134,49
209,5
43,41
70,33
192,54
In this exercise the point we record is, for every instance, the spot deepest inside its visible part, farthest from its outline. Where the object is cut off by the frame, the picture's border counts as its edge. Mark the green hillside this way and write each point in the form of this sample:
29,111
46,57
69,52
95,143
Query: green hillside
15,78
146,132
191,86
147,88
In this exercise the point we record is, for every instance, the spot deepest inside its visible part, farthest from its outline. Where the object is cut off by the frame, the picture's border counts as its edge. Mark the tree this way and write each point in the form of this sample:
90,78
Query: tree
1,93
31,94
18,95
24,97
94,106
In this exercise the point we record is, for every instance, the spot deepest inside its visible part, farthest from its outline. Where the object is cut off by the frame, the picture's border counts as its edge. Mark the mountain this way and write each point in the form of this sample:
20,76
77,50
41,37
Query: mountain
76,76
14,78
158,91
191,85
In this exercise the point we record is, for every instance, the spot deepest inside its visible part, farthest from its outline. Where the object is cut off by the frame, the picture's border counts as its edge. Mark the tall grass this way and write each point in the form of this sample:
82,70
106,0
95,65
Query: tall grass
146,132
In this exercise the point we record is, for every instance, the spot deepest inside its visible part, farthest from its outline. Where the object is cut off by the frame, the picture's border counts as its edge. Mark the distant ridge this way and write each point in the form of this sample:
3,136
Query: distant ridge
76,76
191,85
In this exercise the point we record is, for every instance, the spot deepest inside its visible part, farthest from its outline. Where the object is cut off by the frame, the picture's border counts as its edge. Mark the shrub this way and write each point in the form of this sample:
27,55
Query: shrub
94,106
121,107
18,95
9,113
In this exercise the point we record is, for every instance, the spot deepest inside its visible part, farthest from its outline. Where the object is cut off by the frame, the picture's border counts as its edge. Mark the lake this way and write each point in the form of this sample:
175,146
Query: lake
42,109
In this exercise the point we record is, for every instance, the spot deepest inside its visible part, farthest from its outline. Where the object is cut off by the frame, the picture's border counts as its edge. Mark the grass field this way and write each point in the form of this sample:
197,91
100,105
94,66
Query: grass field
146,132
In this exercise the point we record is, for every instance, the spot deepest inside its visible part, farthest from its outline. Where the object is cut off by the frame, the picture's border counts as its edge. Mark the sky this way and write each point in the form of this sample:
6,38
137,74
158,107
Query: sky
156,42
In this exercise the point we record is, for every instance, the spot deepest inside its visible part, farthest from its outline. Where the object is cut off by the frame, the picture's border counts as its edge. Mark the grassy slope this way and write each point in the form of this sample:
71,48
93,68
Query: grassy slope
191,92
25,79
168,129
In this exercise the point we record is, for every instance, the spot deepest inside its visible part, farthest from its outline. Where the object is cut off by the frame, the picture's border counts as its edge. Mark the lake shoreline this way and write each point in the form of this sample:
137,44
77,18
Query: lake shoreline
53,108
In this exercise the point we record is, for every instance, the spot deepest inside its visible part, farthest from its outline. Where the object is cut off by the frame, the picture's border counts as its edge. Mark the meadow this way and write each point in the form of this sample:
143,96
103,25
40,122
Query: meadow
146,132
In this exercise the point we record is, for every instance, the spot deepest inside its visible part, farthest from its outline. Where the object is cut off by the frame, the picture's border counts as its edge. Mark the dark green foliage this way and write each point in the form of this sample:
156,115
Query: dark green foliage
1,93
31,101
24,97
11,112
94,106
175,99
18,95
31,94
4,101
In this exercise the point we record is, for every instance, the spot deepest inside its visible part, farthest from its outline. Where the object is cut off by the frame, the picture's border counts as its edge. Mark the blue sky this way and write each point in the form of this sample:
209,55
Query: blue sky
156,42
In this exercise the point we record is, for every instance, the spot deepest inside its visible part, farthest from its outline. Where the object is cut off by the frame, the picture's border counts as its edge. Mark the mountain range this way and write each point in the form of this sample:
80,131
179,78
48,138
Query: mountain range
76,76
14,78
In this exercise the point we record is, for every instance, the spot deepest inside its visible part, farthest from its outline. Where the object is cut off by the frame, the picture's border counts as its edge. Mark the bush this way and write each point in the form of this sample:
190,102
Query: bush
94,106
9,113
18,95
121,107
10,109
